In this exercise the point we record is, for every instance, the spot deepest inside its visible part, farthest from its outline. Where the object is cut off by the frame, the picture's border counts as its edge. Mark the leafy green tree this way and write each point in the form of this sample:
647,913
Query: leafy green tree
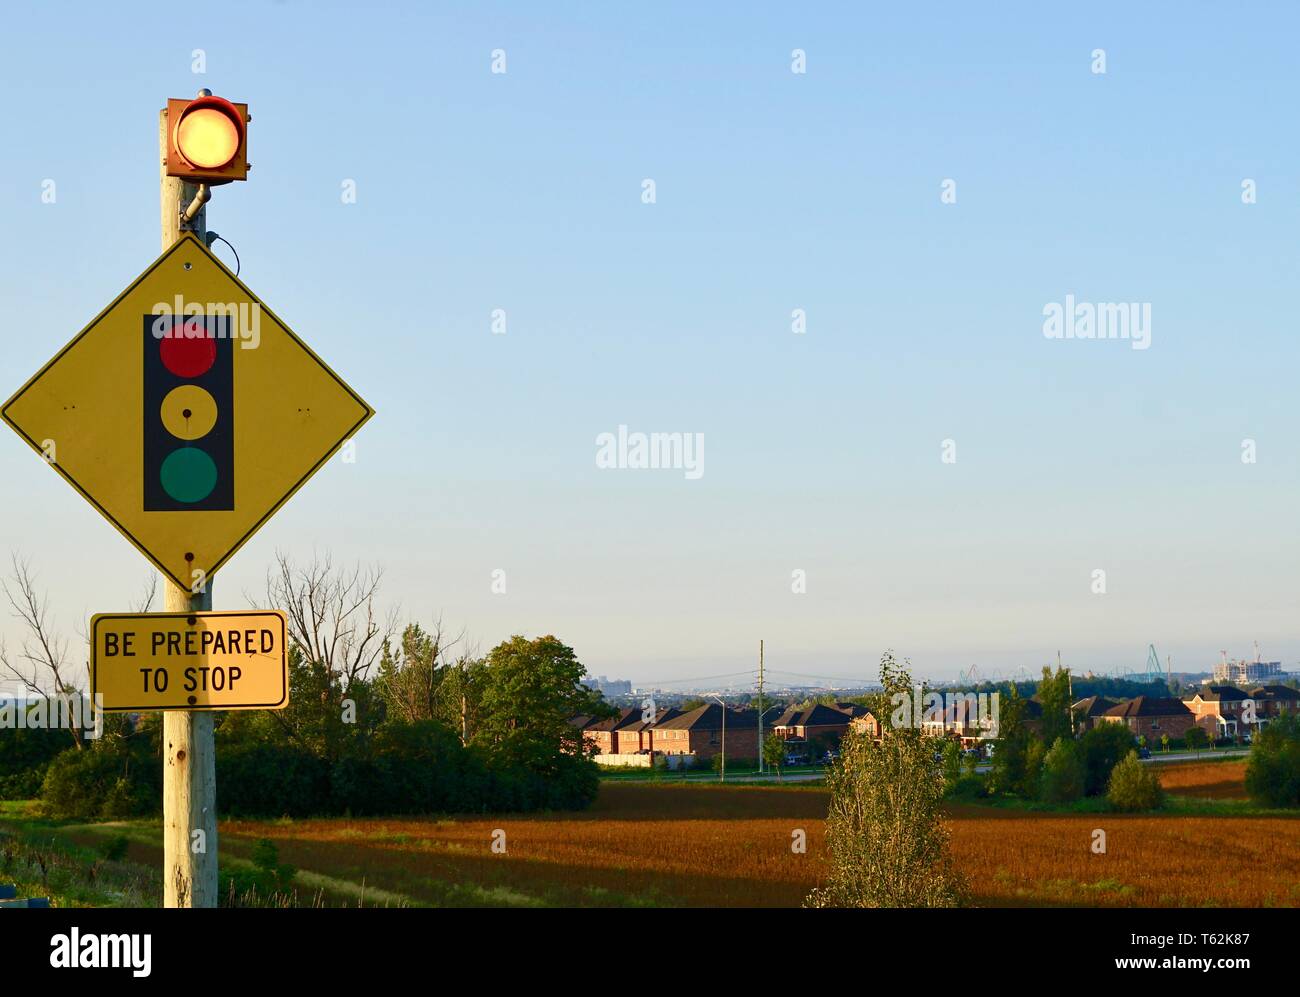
1062,779
888,841
409,675
951,764
117,776
774,752
1032,781
459,703
1053,695
532,688
1103,747
1134,786
1273,771
25,752
1196,738
1010,753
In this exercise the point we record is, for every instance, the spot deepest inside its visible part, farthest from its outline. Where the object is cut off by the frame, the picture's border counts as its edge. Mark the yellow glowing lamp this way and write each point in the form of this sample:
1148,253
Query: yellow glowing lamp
209,139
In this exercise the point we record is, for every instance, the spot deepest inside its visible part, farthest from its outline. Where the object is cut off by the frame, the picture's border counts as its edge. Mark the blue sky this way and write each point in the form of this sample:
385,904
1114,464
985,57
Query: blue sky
774,191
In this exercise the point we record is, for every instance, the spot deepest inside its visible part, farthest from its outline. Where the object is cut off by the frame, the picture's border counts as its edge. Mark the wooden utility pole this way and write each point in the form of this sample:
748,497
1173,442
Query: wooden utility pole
189,756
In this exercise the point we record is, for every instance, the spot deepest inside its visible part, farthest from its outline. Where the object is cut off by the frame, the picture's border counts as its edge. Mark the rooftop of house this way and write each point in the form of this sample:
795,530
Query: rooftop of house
664,713
1275,692
1094,706
624,718
1149,706
709,717
1217,693
817,715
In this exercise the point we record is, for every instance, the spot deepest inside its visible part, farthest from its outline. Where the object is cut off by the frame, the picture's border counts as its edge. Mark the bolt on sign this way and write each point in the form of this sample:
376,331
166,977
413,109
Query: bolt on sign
186,413
189,661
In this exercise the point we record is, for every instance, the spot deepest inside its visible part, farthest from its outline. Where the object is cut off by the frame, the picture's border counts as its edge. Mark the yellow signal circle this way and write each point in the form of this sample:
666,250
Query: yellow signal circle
207,138
189,412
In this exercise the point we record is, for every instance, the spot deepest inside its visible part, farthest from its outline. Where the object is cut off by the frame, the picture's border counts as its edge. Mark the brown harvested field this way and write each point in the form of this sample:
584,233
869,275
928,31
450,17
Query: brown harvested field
1206,780
707,846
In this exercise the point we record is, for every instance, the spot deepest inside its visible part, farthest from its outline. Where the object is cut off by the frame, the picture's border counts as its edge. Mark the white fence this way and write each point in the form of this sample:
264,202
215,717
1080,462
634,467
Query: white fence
673,762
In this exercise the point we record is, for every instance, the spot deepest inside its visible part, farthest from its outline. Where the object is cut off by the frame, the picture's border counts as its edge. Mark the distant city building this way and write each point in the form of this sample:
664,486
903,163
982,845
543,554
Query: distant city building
610,687
1246,672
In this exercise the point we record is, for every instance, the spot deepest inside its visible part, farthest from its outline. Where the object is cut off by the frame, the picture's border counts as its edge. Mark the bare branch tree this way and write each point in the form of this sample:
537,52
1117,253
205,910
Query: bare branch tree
332,614
148,593
41,666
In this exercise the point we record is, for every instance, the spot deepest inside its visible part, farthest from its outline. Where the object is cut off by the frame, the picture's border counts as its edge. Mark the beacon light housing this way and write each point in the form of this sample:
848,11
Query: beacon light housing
208,140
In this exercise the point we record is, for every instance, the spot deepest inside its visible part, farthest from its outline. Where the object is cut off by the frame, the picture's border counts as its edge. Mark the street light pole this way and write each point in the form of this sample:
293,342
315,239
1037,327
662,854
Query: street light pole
760,707
723,705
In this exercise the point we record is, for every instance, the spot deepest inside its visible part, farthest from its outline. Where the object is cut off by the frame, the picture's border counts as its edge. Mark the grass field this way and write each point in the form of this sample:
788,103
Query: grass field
668,845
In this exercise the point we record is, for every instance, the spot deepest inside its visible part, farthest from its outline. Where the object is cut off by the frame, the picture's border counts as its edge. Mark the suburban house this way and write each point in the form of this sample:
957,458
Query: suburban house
813,730
1218,709
639,736
867,724
1086,711
813,722
1152,717
602,734
1274,700
700,732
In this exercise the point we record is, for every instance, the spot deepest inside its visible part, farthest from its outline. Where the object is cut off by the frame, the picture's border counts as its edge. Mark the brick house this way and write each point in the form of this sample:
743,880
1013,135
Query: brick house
602,733
1086,711
1273,700
866,724
1217,709
700,732
813,722
1152,717
633,738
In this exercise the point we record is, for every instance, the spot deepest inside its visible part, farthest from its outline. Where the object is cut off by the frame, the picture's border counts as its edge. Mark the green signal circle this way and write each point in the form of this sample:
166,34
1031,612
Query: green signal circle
188,475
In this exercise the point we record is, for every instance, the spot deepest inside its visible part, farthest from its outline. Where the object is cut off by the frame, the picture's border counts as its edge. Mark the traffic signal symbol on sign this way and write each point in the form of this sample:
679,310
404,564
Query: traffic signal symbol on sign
264,414
189,437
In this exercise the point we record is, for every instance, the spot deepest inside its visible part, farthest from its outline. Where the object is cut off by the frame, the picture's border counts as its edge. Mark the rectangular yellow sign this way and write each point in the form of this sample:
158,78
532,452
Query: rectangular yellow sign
189,661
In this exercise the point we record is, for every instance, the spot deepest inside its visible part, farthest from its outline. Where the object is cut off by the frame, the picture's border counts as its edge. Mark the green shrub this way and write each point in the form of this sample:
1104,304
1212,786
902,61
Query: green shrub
969,787
1134,786
1062,779
25,756
115,848
92,782
1103,747
274,876
1273,772
271,780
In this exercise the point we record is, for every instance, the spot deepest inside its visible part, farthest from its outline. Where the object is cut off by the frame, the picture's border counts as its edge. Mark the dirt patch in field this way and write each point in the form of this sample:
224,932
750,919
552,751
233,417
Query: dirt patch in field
1205,780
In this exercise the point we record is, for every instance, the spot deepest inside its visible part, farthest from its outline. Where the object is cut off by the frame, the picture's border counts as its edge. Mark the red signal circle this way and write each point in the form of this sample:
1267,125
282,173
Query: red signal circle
188,357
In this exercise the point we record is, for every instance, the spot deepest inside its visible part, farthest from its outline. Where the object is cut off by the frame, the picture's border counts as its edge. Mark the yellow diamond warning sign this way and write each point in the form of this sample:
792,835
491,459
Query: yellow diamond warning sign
186,413
189,661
